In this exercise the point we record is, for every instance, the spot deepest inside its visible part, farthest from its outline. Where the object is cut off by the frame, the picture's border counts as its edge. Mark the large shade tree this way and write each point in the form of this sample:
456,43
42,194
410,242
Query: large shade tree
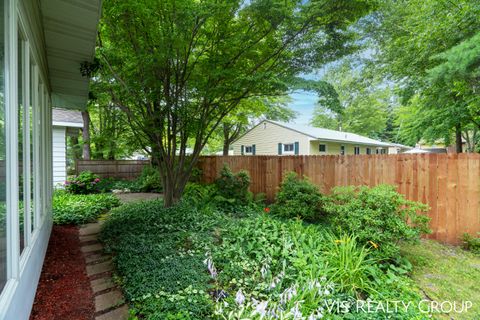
412,38
177,68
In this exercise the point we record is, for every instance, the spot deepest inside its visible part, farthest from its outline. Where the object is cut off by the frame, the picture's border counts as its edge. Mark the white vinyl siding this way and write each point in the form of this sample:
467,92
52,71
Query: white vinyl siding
59,156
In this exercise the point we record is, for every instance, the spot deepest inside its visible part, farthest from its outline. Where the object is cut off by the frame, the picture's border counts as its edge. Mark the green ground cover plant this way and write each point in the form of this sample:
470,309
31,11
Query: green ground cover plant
78,209
194,261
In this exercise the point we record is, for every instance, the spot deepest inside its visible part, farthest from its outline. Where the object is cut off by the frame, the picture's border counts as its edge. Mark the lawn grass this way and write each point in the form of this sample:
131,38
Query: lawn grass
446,273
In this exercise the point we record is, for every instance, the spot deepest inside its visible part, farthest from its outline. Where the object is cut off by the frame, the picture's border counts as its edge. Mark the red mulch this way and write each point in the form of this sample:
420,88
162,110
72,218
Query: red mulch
64,289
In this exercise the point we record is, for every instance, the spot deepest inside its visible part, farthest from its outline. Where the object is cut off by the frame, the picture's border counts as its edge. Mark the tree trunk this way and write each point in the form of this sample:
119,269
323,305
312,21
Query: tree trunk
86,135
458,139
226,147
75,148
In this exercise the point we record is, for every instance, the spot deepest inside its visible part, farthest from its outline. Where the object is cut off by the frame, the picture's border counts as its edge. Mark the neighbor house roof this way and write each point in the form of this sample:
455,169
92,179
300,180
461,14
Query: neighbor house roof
331,135
67,118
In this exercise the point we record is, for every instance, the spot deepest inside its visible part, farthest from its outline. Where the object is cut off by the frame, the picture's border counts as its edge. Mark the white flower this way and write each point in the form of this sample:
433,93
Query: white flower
239,297
261,308
296,313
264,271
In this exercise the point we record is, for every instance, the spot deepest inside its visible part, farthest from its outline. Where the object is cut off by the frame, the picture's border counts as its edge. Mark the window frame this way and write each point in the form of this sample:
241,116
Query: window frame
251,149
356,150
343,150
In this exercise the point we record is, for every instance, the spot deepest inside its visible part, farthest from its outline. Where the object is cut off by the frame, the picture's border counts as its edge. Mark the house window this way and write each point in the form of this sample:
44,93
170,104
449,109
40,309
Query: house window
322,148
248,149
356,150
368,151
383,151
342,150
288,147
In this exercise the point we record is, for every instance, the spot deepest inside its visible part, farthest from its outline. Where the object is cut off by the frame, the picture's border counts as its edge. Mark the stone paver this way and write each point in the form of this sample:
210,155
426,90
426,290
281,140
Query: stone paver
96,258
90,228
88,238
108,300
99,268
135,197
116,314
101,284
91,248
109,305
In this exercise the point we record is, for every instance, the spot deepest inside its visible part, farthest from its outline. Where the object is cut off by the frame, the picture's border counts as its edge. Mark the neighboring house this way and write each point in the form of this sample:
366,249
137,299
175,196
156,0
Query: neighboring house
397,148
276,138
43,44
65,123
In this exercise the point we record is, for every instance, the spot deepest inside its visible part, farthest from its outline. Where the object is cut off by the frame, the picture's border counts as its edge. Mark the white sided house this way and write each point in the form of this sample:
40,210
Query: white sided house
43,45
276,138
65,123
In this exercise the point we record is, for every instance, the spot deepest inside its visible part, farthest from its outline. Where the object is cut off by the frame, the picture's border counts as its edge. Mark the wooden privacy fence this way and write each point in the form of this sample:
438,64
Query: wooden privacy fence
448,183
120,169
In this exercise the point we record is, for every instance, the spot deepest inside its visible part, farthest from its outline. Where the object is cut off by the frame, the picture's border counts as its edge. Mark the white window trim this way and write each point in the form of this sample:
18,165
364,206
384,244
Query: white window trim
359,150
344,150
288,152
248,152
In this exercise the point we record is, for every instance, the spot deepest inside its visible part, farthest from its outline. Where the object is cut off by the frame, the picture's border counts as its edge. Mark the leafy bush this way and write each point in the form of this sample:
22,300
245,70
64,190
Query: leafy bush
379,216
232,188
84,183
148,181
471,243
78,209
298,197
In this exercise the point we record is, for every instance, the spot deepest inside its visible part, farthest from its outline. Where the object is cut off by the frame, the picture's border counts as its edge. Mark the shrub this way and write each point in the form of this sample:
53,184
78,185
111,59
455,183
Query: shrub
379,216
78,209
233,186
84,183
232,190
298,197
471,243
148,181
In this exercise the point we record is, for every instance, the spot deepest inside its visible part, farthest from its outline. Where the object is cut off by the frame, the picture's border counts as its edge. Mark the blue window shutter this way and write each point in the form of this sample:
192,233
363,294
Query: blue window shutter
296,148
253,149
242,150
280,146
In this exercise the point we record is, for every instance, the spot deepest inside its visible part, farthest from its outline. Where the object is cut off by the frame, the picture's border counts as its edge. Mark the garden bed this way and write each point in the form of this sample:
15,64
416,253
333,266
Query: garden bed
64,289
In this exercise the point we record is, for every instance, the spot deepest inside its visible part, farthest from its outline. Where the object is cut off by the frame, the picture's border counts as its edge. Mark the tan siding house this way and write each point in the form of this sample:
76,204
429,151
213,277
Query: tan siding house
275,138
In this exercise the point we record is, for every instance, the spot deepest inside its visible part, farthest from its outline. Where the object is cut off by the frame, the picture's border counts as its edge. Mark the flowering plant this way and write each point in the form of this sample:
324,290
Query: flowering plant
85,183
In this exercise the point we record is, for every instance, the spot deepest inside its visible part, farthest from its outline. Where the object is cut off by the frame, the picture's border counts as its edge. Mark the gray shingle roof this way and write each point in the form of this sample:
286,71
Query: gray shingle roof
331,135
67,117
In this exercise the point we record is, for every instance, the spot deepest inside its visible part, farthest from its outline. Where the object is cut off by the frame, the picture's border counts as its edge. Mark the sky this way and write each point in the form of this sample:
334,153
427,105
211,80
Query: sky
303,103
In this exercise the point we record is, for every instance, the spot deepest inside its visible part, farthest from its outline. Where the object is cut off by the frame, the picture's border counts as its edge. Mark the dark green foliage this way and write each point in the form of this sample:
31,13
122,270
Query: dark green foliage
233,187
78,209
471,243
84,183
380,217
159,257
149,180
298,197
